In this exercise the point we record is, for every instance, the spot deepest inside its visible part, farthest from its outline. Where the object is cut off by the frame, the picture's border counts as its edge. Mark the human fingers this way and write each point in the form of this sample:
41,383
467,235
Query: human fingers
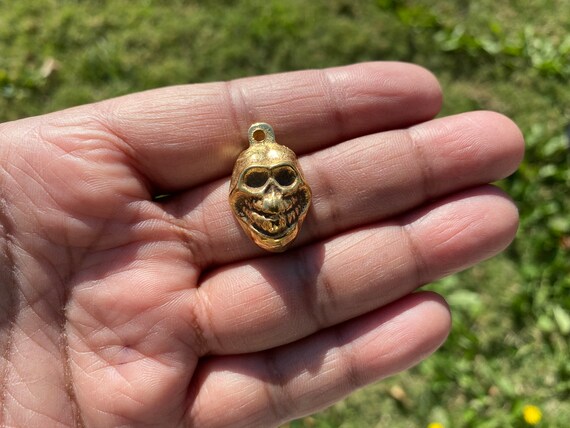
186,135
267,302
366,180
271,387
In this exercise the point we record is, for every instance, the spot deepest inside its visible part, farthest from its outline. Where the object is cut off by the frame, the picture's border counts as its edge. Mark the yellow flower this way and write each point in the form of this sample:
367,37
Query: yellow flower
532,414
435,425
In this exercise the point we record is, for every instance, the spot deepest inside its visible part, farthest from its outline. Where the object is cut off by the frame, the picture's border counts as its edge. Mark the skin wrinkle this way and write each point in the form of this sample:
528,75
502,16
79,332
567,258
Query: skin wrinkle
423,165
106,265
95,238
196,242
257,307
111,143
333,96
231,141
116,415
103,111
35,336
115,367
40,294
73,258
309,278
421,269
201,344
347,247
466,228
177,214
11,300
65,153
17,354
279,397
26,409
307,272
35,180
68,375
5,372
326,198
110,325
63,342
195,386
342,351
236,101
153,330
346,353
104,308
359,154
142,231
300,92
90,181
64,350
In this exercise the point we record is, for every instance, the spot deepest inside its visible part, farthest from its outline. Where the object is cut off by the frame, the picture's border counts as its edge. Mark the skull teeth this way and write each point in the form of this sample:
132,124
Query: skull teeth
291,217
272,223
271,226
275,223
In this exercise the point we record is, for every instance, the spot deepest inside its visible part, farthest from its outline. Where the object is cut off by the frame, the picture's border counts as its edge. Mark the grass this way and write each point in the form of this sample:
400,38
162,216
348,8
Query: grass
509,344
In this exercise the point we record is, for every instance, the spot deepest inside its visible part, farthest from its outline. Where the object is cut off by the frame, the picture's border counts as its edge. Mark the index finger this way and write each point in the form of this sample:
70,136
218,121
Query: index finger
183,136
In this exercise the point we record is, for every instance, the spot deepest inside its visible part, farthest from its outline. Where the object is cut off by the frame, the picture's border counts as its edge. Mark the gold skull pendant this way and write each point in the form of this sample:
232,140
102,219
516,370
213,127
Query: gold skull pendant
268,193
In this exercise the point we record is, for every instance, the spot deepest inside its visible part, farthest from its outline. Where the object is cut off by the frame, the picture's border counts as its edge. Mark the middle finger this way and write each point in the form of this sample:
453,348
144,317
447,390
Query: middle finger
365,180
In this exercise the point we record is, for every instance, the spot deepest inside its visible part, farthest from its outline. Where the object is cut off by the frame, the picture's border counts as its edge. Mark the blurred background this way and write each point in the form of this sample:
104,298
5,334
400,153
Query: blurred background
506,363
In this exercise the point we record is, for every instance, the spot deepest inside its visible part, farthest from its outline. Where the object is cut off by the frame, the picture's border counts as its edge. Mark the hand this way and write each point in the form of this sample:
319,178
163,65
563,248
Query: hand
122,309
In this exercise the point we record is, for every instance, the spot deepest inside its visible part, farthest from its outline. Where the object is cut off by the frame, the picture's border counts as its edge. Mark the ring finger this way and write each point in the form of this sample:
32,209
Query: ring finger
272,301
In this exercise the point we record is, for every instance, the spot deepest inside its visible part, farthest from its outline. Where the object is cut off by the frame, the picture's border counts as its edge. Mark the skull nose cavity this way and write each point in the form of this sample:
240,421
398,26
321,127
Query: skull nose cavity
272,200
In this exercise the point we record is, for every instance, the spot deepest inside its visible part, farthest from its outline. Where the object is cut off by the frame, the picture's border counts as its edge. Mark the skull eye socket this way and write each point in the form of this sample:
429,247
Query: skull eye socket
256,178
285,176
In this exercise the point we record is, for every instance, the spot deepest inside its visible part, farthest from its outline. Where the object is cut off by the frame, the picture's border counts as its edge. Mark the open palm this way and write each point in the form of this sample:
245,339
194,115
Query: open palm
121,308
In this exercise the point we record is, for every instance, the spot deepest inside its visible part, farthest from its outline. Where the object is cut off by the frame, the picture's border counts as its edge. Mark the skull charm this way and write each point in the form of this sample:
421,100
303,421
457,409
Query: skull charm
268,193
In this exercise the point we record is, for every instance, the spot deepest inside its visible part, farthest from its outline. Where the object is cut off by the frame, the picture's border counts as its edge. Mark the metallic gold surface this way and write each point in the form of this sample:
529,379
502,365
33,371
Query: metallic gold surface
268,193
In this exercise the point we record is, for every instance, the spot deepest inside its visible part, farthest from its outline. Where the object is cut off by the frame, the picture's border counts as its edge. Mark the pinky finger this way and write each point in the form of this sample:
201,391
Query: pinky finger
272,387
